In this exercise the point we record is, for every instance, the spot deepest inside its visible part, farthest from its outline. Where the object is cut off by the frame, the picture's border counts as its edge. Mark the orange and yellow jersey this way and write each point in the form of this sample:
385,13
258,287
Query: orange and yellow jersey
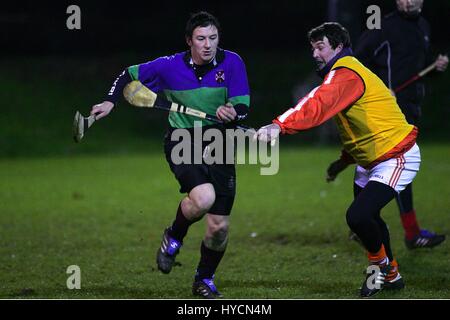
371,125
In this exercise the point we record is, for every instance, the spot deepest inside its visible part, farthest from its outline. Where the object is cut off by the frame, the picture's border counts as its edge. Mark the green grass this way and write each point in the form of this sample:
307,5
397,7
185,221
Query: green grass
106,215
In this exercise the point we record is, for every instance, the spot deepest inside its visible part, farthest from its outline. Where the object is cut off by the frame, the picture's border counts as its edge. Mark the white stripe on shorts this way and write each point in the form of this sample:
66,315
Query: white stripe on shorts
397,172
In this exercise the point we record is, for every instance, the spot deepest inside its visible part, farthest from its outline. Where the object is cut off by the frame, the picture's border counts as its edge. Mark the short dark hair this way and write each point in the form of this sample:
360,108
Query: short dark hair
335,33
200,19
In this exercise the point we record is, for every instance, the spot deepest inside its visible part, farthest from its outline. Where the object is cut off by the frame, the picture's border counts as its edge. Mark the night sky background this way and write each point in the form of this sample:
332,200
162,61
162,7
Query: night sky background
48,72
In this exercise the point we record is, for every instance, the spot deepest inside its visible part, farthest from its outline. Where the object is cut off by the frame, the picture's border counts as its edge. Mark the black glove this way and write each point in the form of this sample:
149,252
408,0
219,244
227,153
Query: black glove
335,168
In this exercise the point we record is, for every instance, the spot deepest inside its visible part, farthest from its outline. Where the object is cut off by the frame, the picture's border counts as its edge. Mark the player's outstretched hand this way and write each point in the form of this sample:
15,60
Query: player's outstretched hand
268,133
102,109
335,168
226,113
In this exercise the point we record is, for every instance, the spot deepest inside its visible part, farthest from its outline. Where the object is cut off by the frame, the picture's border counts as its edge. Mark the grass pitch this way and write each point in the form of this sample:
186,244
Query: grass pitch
288,236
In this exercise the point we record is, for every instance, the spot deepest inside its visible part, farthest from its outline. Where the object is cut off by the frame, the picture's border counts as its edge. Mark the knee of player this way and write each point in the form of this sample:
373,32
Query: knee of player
218,230
355,217
204,201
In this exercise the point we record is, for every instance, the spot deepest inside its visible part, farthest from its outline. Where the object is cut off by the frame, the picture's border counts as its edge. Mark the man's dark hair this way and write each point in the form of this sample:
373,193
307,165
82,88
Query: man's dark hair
200,19
335,33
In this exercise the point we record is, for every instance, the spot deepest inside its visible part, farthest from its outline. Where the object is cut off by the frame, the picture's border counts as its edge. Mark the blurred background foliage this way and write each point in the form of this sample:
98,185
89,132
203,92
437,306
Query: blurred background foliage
47,72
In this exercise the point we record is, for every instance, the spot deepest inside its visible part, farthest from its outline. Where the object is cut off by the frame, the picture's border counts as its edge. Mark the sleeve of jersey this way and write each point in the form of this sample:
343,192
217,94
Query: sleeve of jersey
238,88
147,73
115,92
340,89
367,45
346,157
429,57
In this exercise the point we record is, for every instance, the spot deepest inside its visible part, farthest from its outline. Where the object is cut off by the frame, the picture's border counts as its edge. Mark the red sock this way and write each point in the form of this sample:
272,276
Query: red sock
410,224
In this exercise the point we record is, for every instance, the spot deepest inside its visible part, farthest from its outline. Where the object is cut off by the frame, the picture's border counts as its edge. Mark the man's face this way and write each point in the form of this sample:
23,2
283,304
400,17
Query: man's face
203,44
323,52
410,7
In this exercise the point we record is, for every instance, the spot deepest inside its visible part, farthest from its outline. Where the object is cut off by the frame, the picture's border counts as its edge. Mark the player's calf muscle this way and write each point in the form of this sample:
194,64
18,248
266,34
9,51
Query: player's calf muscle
218,240
216,237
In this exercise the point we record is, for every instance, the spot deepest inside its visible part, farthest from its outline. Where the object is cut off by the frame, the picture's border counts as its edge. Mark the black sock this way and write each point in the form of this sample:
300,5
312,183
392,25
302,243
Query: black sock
405,200
385,237
180,226
209,261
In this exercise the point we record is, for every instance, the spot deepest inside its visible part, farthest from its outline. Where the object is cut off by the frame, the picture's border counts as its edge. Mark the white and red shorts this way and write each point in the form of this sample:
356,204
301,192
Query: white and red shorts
396,172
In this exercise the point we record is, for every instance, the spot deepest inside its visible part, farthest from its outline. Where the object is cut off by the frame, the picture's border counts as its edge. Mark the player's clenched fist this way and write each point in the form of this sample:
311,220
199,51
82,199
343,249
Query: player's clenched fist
102,109
268,133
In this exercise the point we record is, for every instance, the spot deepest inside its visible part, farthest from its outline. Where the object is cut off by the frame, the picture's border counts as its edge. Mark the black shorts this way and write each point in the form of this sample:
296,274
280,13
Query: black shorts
221,176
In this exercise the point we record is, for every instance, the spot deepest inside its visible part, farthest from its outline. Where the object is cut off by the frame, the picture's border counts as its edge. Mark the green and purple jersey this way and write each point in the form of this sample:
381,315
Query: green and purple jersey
177,78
